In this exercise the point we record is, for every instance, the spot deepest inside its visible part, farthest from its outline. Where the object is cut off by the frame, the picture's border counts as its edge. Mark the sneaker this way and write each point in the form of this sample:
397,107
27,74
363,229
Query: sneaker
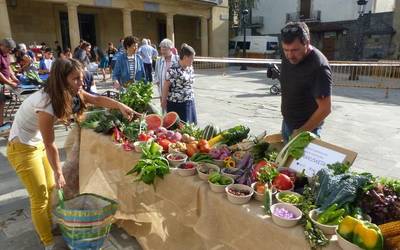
5,127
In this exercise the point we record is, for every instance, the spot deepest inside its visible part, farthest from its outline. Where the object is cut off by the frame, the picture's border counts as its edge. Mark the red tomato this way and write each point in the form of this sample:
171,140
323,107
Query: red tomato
143,137
164,143
282,182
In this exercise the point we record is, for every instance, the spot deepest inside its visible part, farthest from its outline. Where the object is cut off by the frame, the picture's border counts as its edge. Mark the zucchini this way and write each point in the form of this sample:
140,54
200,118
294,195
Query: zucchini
267,200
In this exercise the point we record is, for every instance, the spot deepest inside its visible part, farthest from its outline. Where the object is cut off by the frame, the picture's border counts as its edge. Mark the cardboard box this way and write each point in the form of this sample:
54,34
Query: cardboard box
316,155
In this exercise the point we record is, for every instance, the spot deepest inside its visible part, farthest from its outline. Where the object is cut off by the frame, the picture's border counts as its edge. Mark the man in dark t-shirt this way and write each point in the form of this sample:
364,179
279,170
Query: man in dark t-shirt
306,81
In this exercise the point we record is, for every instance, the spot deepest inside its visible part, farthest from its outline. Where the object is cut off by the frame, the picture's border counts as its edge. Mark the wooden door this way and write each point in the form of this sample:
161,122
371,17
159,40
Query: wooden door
305,9
328,47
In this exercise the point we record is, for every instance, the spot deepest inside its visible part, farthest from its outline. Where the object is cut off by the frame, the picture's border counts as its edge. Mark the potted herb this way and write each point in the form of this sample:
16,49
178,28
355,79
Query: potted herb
264,178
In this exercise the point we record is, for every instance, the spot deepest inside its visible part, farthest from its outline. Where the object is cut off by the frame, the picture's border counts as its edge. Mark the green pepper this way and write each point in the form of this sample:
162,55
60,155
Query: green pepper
336,214
324,216
214,177
225,181
335,221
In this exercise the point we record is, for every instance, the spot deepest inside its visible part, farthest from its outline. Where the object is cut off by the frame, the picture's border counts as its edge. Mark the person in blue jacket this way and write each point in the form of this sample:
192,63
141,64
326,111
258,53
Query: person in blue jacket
129,67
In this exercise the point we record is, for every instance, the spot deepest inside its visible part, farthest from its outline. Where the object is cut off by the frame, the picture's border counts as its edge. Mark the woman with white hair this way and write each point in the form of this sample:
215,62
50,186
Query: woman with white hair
164,63
24,49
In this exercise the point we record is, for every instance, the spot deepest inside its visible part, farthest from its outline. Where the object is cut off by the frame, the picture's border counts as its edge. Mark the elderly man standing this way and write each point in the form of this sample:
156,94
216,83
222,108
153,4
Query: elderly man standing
147,52
7,77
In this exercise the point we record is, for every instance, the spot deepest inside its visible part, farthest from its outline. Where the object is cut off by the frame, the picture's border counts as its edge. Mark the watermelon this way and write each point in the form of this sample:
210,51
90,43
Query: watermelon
153,121
210,131
171,121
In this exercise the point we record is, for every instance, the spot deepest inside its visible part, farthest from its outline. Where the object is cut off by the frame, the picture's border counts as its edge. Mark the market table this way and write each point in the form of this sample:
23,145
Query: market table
182,212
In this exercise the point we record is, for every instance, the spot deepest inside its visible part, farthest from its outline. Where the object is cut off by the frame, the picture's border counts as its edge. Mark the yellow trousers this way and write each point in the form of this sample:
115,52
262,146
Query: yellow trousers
35,172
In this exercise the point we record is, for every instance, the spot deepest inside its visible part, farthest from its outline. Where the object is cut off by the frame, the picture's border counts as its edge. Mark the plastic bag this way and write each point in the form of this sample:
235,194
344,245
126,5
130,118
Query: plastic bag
71,165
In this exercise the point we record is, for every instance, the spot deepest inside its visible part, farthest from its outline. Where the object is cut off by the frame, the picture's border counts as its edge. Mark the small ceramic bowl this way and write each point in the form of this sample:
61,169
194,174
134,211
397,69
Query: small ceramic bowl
260,196
174,162
345,244
239,199
326,229
279,196
219,188
285,222
206,167
187,172
233,176
219,163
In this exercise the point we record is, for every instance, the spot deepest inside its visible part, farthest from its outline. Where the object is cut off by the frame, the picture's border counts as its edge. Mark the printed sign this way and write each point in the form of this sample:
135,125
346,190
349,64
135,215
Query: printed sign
315,158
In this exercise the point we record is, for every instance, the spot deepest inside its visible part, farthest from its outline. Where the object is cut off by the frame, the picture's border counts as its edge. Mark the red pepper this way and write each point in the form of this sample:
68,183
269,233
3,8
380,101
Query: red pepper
117,135
143,137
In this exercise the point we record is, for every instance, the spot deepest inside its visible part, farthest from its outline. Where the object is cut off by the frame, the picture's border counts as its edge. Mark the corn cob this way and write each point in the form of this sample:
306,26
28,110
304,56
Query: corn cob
393,243
390,229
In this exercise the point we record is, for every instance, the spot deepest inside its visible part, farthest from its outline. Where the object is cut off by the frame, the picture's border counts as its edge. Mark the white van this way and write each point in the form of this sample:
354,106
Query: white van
256,46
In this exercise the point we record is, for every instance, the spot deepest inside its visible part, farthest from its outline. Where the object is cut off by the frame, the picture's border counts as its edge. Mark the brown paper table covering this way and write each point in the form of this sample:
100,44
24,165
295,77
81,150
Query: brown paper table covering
182,212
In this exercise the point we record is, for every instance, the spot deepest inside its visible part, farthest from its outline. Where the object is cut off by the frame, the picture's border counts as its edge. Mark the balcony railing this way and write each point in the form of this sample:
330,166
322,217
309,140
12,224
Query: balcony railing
314,16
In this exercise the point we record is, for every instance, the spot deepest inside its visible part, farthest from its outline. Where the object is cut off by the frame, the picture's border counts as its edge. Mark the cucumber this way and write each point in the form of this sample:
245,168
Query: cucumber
267,201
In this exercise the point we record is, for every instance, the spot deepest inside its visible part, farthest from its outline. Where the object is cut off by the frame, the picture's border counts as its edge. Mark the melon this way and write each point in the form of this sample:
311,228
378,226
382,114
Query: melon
210,131
153,121
171,121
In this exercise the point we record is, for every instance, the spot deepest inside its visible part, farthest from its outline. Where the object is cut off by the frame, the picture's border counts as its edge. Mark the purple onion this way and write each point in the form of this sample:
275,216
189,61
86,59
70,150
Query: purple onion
283,213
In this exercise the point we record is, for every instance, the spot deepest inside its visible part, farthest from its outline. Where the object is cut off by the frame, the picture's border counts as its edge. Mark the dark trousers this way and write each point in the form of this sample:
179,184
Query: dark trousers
186,110
148,69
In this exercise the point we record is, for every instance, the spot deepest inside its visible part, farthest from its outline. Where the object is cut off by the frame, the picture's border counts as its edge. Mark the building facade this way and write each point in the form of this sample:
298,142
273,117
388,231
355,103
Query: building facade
276,13
200,23
335,25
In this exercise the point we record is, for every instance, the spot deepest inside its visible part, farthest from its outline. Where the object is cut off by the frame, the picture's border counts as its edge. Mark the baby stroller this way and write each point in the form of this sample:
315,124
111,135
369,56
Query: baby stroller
273,72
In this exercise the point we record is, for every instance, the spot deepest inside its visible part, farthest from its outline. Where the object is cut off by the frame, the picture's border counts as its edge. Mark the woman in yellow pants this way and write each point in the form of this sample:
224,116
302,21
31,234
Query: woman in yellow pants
31,150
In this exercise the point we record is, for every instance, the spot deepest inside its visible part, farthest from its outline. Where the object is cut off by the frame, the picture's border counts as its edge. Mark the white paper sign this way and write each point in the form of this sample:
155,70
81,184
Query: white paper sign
315,158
